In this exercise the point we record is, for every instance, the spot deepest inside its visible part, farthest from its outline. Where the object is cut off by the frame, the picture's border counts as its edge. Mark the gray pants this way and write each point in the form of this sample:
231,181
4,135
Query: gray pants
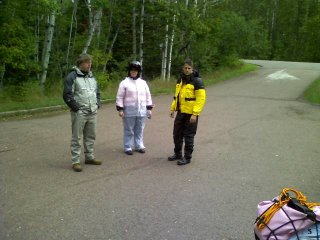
83,123
133,132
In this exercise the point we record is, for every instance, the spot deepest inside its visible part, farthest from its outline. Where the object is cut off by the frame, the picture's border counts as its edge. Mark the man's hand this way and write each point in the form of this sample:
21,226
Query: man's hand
121,114
193,119
172,114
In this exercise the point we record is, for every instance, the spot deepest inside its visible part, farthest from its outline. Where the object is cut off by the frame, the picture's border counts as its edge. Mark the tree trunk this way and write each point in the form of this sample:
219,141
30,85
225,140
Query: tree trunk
141,35
165,54
111,46
93,25
171,47
273,30
204,8
73,19
134,33
114,39
110,26
162,61
2,71
37,46
98,30
47,46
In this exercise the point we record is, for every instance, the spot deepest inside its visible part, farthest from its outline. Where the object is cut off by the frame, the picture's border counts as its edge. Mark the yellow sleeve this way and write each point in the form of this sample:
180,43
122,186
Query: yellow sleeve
200,101
173,105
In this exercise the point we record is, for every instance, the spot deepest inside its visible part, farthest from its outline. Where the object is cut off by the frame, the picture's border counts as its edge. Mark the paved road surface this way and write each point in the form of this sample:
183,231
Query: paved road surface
254,138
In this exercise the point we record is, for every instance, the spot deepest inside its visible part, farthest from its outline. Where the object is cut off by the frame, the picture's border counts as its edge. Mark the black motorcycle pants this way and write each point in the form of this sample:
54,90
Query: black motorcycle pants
184,132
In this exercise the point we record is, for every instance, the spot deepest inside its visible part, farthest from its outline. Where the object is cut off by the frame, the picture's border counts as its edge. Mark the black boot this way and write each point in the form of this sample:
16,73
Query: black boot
183,161
174,157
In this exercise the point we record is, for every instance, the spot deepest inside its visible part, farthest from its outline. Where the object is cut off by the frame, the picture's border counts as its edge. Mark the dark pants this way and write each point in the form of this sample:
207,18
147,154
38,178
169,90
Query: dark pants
185,131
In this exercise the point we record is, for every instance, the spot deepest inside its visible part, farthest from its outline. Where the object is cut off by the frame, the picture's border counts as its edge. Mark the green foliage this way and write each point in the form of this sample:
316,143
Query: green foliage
225,73
312,94
311,40
103,79
29,92
16,52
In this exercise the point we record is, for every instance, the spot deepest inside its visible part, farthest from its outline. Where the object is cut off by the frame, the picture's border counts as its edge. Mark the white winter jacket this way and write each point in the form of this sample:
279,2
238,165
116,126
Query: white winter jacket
134,97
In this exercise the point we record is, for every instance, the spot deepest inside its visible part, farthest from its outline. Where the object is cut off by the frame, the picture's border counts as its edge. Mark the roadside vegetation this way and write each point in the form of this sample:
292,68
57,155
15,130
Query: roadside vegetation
32,96
312,94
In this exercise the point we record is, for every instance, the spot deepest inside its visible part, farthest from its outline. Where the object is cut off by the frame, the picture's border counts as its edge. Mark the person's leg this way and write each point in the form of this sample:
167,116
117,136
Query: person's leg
189,133
128,133
77,122
89,136
138,133
177,136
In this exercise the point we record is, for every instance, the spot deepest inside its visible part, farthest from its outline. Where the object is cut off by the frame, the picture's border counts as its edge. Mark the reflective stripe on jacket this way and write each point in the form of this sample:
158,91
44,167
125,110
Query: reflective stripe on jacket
189,97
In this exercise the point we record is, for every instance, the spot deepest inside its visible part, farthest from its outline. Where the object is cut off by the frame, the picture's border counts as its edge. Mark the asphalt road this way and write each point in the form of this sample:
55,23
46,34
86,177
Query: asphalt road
255,137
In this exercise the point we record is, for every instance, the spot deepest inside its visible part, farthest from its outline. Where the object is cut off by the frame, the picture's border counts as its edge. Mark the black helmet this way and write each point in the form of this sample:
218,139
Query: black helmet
136,65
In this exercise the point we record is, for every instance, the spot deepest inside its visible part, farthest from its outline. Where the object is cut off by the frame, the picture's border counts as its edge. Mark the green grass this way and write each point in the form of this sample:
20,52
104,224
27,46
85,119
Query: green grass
228,73
31,96
312,94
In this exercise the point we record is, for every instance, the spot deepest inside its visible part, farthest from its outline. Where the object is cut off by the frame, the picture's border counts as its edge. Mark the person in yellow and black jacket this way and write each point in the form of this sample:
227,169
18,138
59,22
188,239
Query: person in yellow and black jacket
188,102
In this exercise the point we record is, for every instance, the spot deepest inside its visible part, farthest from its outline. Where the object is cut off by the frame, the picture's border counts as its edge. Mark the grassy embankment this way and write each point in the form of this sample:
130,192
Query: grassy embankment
31,96
312,94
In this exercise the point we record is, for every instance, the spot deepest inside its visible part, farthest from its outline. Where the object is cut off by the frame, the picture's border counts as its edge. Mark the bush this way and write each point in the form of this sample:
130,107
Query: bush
312,94
231,61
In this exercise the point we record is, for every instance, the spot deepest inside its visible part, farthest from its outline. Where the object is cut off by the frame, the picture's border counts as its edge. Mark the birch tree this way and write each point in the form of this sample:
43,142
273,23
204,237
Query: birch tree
273,32
171,45
94,21
108,47
141,34
165,53
71,31
134,33
51,19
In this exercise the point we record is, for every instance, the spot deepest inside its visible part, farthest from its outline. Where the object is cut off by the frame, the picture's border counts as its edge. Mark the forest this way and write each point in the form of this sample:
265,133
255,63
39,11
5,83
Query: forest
41,39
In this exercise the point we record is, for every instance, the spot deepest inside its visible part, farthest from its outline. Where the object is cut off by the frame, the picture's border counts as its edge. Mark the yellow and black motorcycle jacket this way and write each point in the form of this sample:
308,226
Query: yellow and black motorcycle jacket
190,95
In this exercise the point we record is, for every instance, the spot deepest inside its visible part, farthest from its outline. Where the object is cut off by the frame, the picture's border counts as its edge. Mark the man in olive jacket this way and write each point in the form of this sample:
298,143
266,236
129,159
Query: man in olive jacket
81,94
188,102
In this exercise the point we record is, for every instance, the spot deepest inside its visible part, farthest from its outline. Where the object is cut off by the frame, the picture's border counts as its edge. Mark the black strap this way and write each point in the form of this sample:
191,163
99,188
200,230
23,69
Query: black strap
190,99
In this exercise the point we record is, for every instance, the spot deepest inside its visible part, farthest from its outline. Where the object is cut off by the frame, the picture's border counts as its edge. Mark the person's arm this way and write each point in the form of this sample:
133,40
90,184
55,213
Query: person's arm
148,98
68,96
98,95
149,104
120,99
200,94
174,102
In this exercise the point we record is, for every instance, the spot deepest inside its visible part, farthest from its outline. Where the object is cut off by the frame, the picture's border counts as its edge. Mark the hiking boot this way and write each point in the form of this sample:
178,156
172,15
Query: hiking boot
93,162
77,167
141,150
183,161
129,152
174,157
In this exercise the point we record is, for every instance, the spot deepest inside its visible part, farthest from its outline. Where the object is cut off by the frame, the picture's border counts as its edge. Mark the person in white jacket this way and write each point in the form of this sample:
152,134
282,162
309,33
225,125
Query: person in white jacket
134,105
